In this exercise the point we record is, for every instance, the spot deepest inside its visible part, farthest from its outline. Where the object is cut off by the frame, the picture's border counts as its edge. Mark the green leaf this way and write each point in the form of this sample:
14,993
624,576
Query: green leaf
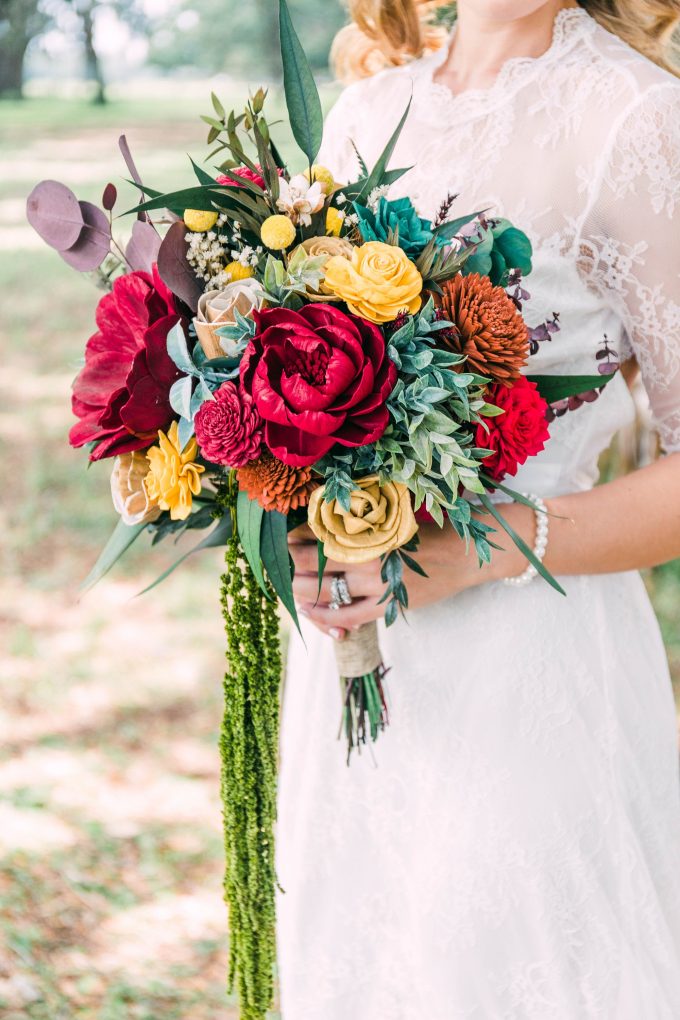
276,559
558,387
249,515
376,176
322,561
302,97
201,176
453,227
218,536
120,541
521,544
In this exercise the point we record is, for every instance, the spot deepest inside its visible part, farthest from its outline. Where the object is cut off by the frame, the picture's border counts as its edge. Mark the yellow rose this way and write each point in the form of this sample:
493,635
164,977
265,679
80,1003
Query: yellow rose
334,221
129,494
199,220
277,233
379,520
379,283
173,477
237,271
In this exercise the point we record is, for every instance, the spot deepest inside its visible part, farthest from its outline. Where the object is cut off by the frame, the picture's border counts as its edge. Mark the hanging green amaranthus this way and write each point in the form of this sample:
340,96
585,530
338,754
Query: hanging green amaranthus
248,754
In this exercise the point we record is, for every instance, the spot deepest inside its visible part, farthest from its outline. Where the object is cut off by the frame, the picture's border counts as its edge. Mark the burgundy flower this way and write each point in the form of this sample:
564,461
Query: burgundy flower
318,376
517,434
121,395
229,428
247,174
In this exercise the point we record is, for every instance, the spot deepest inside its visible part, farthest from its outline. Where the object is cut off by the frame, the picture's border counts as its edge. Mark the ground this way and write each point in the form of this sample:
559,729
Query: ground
110,847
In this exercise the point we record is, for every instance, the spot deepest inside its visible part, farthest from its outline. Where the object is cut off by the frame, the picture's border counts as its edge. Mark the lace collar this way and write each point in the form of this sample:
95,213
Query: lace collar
571,25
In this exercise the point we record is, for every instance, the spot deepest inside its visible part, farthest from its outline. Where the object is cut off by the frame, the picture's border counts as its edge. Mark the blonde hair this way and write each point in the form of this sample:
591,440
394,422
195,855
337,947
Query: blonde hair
386,33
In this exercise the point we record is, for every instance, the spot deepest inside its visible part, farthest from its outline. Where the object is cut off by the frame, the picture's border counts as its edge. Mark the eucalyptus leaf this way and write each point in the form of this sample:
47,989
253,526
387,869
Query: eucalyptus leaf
276,559
120,541
249,516
302,96
218,536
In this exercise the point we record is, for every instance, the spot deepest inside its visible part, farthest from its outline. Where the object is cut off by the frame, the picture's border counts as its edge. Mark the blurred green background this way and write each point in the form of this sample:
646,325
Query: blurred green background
110,849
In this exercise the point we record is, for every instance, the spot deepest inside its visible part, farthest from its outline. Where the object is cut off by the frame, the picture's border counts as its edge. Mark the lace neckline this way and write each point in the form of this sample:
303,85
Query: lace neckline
571,24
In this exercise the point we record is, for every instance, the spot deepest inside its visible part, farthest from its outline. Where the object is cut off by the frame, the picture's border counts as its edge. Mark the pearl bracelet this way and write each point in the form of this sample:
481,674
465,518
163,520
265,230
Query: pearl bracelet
540,544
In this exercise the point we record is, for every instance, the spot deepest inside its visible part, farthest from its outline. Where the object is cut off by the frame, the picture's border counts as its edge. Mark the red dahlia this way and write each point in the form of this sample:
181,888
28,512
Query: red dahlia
121,395
229,428
318,376
517,434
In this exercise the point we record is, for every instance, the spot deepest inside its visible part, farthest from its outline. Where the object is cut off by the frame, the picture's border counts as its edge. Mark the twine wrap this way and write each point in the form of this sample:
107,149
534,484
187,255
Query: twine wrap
359,654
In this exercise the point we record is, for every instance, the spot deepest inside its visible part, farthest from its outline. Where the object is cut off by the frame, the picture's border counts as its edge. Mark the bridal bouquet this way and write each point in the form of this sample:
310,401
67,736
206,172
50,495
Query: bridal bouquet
278,348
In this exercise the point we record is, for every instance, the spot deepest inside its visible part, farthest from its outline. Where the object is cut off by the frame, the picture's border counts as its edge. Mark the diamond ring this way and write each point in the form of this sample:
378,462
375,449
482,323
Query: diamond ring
340,595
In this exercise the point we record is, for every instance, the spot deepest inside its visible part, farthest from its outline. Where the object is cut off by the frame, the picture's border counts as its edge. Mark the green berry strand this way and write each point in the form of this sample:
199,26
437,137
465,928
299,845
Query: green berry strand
249,758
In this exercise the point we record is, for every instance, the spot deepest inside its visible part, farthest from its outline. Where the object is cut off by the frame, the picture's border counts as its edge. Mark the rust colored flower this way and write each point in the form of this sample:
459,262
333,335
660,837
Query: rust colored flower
275,485
487,327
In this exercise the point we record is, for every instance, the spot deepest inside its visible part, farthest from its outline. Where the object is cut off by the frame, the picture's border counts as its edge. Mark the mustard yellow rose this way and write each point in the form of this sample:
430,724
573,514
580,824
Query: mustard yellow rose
378,283
173,477
380,519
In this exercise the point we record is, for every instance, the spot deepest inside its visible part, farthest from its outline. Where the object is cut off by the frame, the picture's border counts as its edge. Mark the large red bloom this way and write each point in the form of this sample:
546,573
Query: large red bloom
517,434
121,395
318,376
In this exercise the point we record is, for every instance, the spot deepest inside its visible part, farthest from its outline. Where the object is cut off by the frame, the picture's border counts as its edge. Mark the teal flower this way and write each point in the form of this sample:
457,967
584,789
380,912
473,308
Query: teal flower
502,247
396,223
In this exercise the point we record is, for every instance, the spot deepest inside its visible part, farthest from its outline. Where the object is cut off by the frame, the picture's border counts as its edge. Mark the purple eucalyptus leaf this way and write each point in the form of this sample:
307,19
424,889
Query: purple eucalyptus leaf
134,172
94,242
53,211
174,268
109,197
142,248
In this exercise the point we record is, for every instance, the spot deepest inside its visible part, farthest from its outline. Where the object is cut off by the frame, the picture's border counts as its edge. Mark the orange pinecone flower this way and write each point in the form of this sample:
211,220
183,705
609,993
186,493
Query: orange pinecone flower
275,485
487,327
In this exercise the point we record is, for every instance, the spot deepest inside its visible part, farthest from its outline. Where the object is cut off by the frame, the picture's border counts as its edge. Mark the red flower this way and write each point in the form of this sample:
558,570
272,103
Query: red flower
318,376
121,395
229,428
247,175
519,433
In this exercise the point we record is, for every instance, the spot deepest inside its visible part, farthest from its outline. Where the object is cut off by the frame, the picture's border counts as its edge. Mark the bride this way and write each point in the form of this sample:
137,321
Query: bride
512,850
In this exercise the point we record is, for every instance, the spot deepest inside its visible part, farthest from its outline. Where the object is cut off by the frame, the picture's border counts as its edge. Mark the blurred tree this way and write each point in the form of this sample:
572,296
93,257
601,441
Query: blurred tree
241,37
20,21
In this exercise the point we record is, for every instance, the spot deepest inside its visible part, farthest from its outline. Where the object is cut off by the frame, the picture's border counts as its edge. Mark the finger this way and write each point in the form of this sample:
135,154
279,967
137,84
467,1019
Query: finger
303,533
337,633
362,610
306,587
305,557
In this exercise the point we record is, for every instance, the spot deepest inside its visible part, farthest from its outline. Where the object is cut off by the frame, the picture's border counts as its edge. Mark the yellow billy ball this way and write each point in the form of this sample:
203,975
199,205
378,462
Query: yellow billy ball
334,221
323,175
237,271
199,220
277,233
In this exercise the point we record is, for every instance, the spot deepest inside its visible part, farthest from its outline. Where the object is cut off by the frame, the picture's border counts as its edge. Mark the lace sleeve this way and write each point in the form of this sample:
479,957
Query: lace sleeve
337,151
630,244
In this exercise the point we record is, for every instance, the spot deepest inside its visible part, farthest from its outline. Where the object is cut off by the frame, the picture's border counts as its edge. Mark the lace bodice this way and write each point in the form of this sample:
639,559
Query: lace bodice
581,149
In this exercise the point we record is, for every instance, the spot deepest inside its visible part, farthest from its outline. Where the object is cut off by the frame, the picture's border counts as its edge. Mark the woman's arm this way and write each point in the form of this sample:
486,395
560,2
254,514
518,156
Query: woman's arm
628,524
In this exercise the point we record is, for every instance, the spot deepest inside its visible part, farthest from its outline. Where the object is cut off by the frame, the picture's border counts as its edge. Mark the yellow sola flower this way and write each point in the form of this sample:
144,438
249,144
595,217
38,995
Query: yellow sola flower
237,271
173,477
378,283
323,175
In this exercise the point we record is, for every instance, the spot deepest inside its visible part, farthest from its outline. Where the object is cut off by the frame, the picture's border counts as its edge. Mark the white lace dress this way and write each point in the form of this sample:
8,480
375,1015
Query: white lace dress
514,852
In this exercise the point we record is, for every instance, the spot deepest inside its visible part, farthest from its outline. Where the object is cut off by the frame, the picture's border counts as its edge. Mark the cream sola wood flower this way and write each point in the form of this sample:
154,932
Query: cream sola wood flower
299,199
129,494
218,308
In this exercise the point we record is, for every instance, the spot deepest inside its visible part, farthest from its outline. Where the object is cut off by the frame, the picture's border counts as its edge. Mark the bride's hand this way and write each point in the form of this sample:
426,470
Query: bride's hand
440,553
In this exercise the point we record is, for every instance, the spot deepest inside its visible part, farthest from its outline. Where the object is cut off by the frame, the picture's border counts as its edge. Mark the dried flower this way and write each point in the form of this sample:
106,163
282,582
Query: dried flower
275,485
487,328
199,220
217,308
277,232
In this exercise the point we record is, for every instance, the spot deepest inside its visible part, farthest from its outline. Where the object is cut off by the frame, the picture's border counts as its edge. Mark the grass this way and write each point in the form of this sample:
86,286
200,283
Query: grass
110,847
